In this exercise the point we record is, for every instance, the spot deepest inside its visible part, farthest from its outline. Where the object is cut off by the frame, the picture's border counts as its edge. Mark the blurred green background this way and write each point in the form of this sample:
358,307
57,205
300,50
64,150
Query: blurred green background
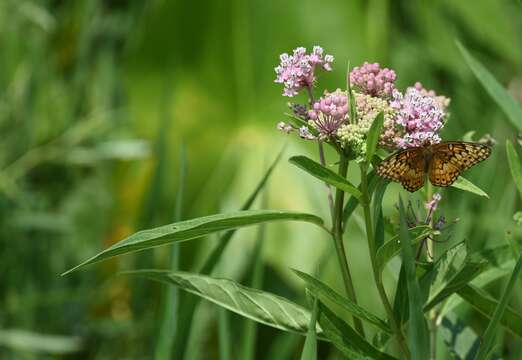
97,99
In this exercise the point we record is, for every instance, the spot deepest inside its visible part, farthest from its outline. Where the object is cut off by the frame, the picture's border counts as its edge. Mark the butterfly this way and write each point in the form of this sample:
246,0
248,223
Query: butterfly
443,163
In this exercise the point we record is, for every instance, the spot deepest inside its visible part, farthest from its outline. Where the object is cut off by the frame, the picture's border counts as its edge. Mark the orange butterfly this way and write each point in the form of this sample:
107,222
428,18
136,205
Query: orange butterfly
443,162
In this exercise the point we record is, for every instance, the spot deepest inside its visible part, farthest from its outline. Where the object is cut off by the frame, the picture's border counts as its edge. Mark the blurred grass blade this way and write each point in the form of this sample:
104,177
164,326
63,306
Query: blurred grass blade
489,335
502,97
514,165
310,345
225,338
189,303
214,257
193,229
345,338
324,174
249,333
485,304
171,295
257,305
321,290
373,136
28,341
466,185
418,331
393,246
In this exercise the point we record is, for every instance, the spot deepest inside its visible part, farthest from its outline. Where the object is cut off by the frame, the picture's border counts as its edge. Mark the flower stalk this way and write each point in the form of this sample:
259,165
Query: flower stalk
365,203
337,233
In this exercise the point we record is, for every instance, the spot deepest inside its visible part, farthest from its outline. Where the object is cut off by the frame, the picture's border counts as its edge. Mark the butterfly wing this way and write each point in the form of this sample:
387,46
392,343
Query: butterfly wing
451,158
406,167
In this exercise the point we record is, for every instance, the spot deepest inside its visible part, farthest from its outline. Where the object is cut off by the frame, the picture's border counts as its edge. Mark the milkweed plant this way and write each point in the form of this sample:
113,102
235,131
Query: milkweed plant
365,120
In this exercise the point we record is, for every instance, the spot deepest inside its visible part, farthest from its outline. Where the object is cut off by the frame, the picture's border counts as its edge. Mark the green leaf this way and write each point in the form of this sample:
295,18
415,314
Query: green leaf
195,228
328,176
485,304
257,305
351,204
310,345
321,290
393,246
346,339
461,340
418,331
351,97
373,136
491,330
466,185
452,271
514,165
501,96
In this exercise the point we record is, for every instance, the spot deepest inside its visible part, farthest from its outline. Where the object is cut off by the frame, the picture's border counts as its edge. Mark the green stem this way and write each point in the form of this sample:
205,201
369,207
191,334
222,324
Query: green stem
337,232
365,202
432,314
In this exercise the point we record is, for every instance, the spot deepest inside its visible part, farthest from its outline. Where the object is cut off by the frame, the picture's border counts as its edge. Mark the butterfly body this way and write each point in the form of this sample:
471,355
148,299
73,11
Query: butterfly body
443,163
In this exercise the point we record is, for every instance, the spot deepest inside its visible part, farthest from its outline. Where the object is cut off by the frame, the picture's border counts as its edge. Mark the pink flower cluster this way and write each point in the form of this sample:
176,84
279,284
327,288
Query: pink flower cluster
329,113
420,117
370,79
297,71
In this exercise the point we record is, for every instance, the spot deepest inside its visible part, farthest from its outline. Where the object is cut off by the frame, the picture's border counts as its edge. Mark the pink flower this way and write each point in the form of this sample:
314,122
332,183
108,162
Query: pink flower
442,101
297,71
329,113
370,79
419,116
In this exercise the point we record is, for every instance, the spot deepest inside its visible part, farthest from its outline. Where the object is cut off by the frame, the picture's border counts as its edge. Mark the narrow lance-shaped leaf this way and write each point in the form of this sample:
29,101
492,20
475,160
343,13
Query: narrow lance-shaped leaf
346,339
310,345
417,329
321,290
452,271
257,305
466,185
324,174
501,96
491,330
195,228
485,304
514,165
373,136
393,246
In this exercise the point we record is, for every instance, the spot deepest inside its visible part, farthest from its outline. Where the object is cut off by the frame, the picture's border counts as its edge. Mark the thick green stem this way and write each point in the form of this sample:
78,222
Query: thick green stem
337,232
365,202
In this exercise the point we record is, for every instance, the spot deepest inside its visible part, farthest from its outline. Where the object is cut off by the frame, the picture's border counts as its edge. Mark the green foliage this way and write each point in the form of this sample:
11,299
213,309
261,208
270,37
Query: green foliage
260,306
310,345
193,229
466,185
502,97
323,291
373,136
328,176
514,165
491,331
344,337
418,331
96,97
